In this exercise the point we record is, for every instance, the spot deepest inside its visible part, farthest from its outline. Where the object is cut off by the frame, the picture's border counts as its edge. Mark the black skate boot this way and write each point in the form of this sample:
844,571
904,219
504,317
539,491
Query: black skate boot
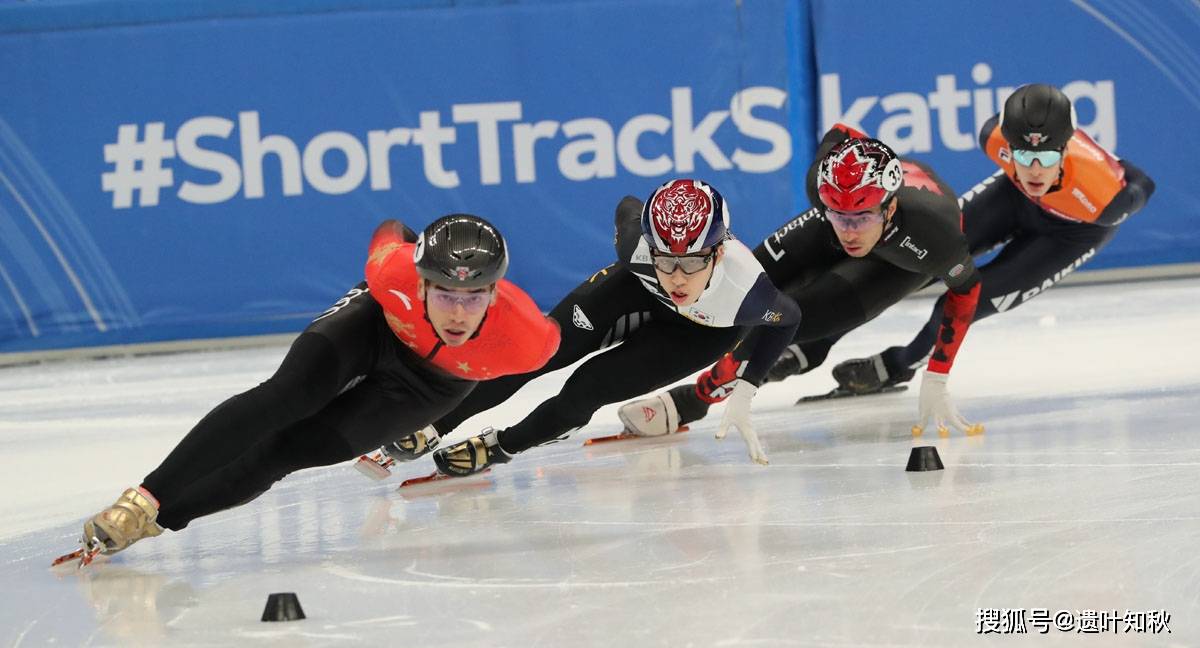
870,375
476,454
790,363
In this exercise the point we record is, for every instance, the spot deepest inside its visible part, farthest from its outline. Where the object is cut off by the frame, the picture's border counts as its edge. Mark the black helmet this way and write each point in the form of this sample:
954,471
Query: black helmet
461,251
1037,117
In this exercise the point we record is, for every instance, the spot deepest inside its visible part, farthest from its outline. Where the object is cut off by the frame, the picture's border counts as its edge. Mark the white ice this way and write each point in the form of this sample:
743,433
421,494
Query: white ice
1082,495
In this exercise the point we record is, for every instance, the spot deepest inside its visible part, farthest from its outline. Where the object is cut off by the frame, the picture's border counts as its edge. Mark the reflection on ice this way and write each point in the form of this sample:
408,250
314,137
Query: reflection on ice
1082,495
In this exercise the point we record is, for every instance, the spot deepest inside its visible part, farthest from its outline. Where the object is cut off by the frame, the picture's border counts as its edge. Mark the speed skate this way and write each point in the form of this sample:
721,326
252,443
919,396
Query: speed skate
841,392
85,555
435,476
626,435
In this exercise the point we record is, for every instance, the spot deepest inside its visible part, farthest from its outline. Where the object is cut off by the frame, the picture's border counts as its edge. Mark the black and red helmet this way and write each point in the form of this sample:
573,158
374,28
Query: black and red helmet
858,174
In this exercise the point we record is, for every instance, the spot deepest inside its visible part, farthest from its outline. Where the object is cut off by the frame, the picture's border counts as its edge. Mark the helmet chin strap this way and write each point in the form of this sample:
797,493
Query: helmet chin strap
716,259
889,217
885,207
1062,167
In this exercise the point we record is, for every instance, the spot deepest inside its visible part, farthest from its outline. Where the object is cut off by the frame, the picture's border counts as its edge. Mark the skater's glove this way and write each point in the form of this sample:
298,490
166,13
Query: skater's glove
737,414
936,405
716,384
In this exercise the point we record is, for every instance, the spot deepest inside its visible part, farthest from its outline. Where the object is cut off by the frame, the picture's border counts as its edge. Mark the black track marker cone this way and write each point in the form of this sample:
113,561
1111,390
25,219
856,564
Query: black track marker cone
282,607
924,458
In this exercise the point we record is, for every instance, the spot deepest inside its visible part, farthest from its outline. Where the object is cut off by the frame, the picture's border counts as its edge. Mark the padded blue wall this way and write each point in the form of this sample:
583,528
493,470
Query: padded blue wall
183,170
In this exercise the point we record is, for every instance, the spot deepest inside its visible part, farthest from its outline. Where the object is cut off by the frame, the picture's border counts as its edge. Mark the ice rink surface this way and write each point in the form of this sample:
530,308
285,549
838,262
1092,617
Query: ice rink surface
1083,495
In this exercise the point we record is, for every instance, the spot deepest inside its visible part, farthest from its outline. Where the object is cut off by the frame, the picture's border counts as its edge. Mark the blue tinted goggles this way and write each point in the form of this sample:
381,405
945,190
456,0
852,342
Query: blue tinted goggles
1045,158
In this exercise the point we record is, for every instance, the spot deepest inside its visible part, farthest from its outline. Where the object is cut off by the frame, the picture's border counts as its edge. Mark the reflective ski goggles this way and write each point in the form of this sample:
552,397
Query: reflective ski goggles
853,221
1045,158
689,263
472,302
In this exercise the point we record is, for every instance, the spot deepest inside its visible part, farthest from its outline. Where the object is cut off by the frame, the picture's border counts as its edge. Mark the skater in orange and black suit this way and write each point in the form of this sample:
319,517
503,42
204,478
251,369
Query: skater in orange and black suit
1057,200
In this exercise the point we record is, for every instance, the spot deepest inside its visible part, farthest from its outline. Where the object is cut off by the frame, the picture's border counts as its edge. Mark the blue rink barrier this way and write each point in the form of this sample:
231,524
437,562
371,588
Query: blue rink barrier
188,200
190,170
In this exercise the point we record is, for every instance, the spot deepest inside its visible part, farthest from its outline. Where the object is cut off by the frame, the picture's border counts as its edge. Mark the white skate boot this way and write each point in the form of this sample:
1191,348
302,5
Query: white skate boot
650,417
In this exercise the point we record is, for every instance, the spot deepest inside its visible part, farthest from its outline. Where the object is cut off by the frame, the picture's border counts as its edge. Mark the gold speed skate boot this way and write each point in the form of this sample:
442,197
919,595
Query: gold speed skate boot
129,519
378,464
474,455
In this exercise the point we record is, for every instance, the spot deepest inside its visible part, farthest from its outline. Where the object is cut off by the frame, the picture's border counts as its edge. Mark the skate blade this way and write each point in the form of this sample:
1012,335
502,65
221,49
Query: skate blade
85,556
625,436
838,392
374,468
436,476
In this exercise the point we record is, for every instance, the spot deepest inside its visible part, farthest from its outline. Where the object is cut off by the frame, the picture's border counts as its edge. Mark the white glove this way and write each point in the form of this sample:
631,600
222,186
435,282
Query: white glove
737,413
936,404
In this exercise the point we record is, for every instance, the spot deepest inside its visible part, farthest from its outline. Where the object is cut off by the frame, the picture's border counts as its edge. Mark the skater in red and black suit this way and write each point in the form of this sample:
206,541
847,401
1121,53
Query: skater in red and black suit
681,293
397,352
1057,199
881,227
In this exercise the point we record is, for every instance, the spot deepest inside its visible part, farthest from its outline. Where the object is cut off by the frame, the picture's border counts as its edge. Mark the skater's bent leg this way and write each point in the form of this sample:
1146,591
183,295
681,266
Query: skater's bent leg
301,446
306,381
363,418
1020,272
333,351
657,355
812,353
485,396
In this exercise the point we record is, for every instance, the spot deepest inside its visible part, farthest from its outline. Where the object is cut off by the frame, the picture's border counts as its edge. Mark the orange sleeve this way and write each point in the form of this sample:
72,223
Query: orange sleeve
387,240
